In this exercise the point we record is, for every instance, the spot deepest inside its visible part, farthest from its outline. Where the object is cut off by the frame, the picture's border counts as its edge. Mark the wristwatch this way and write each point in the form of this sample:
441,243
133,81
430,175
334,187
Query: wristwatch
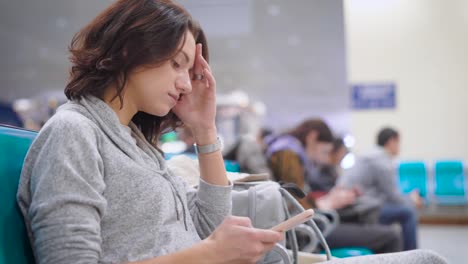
205,149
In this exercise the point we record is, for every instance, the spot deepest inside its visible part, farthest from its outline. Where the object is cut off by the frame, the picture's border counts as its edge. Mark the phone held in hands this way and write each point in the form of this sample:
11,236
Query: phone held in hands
294,221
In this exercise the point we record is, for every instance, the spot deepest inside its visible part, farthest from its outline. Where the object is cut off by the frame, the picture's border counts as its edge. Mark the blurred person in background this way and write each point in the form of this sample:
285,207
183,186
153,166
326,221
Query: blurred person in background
355,208
248,152
294,158
375,173
305,145
8,116
330,169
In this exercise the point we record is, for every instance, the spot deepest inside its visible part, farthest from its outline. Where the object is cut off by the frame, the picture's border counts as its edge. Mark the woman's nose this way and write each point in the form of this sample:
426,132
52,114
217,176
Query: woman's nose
184,84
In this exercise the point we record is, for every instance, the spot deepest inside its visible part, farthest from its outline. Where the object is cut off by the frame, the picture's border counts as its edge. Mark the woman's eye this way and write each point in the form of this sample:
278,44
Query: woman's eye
175,64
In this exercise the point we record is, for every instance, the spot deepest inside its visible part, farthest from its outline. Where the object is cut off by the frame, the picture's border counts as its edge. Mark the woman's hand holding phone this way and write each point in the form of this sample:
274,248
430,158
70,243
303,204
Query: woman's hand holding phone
294,221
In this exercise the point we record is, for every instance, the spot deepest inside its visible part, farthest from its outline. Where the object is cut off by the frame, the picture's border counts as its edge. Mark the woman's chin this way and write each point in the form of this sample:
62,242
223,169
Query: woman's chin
159,112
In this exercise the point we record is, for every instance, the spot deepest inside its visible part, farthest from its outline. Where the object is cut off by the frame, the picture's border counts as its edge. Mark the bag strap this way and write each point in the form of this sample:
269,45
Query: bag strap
298,207
283,252
291,234
278,248
252,192
292,188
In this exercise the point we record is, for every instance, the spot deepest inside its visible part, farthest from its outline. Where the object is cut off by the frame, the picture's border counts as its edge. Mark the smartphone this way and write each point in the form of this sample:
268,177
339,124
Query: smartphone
294,221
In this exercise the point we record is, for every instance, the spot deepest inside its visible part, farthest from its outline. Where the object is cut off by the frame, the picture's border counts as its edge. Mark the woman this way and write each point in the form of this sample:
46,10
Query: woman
329,170
95,188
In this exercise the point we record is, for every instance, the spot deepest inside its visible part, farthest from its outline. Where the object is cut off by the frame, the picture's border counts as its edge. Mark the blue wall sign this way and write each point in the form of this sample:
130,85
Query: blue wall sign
374,96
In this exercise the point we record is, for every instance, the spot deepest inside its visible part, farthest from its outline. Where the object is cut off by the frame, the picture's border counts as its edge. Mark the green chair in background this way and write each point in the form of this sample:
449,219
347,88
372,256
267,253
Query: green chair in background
450,183
14,243
413,175
349,252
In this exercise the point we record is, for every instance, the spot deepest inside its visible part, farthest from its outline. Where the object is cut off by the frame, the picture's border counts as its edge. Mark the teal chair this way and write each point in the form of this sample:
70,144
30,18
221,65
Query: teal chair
232,166
413,175
349,252
450,183
14,243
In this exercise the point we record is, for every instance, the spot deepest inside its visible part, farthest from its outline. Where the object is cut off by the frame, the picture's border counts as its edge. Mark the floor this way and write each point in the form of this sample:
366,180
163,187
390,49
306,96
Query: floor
449,241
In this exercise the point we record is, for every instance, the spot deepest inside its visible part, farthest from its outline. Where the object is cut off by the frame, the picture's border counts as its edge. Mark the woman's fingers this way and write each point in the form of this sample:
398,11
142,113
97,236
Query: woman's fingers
203,62
269,236
237,220
197,67
210,80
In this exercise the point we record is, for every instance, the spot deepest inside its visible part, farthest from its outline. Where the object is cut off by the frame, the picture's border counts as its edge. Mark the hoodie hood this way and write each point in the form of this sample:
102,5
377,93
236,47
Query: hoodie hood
132,144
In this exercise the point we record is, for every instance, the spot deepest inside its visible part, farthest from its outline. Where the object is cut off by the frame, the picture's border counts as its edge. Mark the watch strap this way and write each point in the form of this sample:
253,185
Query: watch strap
205,149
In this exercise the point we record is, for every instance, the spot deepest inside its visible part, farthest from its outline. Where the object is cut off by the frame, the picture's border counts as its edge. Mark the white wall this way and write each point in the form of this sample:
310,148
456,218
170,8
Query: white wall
421,45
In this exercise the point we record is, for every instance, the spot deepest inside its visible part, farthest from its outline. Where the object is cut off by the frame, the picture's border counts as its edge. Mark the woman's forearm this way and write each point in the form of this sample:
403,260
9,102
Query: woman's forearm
212,168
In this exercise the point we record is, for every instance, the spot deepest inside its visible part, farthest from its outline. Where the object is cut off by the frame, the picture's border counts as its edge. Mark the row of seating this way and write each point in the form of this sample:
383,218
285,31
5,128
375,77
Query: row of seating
445,184
449,188
14,243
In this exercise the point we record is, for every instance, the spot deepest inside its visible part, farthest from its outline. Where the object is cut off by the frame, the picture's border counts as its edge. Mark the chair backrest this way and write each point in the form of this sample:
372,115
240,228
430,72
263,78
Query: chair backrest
413,175
14,242
449,178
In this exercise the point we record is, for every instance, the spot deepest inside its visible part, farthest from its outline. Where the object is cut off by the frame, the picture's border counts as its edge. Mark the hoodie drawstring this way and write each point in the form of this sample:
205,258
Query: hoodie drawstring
176,197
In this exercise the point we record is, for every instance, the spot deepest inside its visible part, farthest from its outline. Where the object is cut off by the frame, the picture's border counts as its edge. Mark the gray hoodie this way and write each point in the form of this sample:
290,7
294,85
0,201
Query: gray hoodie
95,191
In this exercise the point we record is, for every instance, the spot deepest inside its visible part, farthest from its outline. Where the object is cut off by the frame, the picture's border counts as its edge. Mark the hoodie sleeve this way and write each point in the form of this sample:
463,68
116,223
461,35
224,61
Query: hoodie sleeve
208,206
66,185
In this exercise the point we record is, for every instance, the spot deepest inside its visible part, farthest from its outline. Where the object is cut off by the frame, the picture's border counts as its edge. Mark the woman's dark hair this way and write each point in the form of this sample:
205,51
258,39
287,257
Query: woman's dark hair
129,34
385,135
301,131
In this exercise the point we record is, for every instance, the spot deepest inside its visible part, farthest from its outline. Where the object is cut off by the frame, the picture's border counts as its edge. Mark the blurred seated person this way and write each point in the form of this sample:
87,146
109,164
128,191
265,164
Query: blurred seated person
8,116
248,151
351,206
291,157
330,169
375,173
262,137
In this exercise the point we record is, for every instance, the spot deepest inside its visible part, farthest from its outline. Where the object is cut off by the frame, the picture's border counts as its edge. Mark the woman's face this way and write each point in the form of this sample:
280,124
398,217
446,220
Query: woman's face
317,151
156,90
322,152
337,156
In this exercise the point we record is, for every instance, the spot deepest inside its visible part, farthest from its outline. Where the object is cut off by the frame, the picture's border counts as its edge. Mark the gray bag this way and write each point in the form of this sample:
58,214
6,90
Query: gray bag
267,204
